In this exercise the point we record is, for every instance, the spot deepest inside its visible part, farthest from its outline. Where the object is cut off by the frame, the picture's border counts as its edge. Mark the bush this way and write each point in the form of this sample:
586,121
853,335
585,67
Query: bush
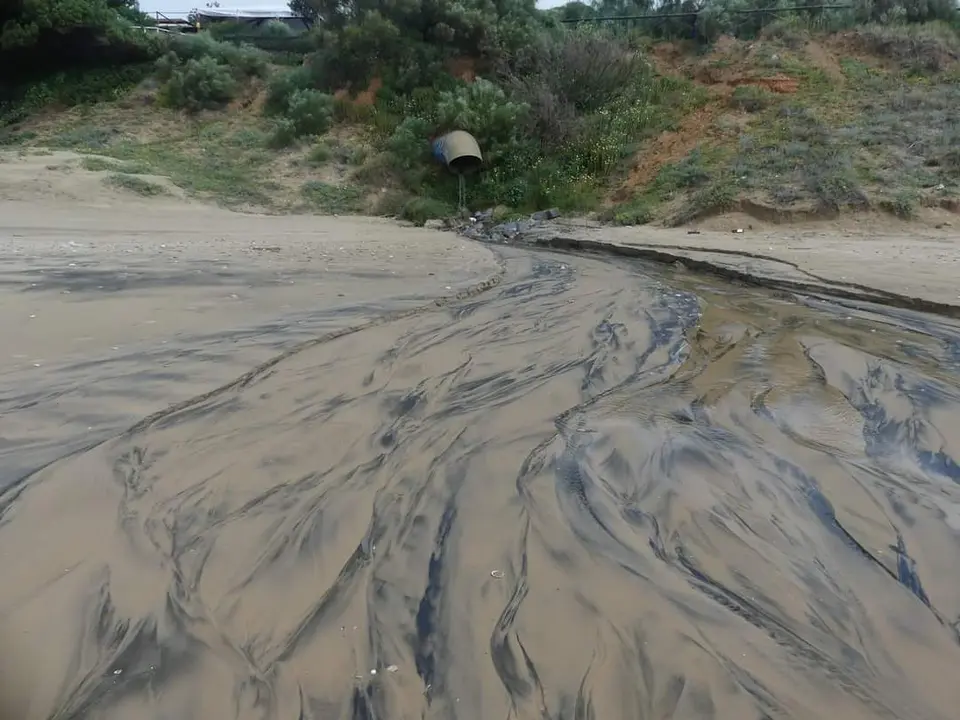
276,29
310,111
281,87
586,69
555,111
244,60
390,203
333,199
690,172
634,212
198,85
319,154
134,184
483,109
419,210
923,48
903,205
166,65
573,74
751,98
544,143
71,88
372,47
408,144
284,134
835,185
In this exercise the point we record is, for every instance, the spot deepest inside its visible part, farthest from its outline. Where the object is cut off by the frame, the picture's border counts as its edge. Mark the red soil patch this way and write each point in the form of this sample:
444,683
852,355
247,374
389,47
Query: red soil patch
364,97
781,84
730,64
668,147
724,78
463,68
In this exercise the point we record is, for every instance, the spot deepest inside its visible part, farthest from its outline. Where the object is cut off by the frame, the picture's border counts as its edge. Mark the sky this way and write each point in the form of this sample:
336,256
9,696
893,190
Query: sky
182,7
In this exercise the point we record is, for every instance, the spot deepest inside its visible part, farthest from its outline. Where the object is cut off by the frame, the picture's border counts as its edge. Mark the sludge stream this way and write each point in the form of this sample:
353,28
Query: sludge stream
600,489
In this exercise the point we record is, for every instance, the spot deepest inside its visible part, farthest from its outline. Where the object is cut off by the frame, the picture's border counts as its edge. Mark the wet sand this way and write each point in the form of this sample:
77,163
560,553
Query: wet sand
907,266
586,488
113,313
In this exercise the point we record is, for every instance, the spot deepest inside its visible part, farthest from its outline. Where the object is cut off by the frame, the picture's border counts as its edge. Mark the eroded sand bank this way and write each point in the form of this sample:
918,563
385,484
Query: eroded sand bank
887,262
597,489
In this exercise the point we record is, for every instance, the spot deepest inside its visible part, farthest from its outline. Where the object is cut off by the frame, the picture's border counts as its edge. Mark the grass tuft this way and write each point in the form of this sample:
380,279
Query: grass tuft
137,185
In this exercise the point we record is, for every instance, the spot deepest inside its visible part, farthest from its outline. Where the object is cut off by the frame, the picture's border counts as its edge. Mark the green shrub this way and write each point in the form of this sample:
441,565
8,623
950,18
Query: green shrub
903,204
391,203
97,164
284,134
419,210
319,154
348,111
244,60
690,172
198,84
333,199
281,87
719,196
10,137
750,98
166,65
637,212
226,29
87,137
483,109
587,70
134,184
310,111
377,171
70,88
408,144
555,111
248,138
276,29
923,48
835,185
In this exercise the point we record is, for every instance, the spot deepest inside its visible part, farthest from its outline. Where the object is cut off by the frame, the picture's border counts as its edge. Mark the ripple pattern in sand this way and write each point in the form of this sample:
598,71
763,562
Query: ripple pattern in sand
586,493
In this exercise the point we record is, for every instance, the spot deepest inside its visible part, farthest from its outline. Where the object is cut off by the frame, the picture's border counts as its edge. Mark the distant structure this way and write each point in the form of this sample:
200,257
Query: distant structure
254,18
213,13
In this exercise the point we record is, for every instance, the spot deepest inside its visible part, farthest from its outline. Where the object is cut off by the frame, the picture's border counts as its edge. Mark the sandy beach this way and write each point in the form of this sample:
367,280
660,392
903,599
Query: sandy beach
318,467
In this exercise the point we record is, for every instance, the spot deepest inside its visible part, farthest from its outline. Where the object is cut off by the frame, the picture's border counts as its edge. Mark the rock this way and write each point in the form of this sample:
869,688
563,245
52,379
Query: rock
542,215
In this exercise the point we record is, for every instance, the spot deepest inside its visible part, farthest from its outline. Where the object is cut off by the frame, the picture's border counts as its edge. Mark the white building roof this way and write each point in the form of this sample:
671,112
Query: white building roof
227,8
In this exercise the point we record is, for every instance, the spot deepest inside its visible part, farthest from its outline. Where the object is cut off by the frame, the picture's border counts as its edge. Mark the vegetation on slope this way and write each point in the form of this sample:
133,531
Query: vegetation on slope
69,51
817,113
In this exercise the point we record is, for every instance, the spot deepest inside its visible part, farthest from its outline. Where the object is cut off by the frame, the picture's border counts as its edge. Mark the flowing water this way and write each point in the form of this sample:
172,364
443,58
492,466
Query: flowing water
597,490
